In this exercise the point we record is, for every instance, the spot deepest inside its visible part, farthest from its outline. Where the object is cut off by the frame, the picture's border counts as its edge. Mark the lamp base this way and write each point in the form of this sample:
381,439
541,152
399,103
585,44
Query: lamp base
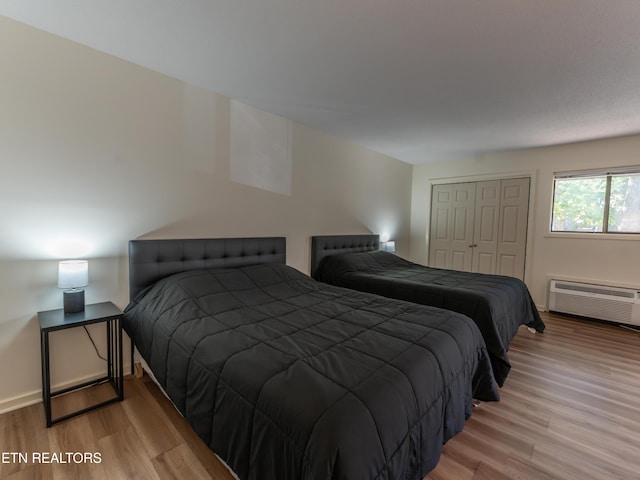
74,301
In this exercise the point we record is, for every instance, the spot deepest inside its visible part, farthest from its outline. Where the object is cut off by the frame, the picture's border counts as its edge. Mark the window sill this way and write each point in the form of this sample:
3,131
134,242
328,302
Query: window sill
595,236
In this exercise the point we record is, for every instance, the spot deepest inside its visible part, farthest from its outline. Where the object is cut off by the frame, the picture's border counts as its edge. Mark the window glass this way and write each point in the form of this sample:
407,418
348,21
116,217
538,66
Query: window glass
624,204
578,204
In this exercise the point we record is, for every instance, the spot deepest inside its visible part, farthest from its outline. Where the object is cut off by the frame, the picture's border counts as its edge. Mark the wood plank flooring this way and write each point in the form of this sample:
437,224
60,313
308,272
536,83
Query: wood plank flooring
570,409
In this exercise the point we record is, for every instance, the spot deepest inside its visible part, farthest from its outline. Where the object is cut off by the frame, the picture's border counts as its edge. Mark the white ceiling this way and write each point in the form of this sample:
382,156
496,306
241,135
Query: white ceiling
419,80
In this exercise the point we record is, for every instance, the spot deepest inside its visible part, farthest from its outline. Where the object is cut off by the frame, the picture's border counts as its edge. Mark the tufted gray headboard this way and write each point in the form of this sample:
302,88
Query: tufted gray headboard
151,260
324,245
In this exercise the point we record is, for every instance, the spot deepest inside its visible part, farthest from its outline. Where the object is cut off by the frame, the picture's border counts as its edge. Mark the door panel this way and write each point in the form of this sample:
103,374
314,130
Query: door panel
440,258
442,224
486,263
459,260
508,265
510,216
488,224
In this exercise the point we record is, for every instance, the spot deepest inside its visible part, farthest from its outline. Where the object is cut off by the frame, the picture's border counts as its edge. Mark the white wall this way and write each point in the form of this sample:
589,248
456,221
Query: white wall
96,151
611,259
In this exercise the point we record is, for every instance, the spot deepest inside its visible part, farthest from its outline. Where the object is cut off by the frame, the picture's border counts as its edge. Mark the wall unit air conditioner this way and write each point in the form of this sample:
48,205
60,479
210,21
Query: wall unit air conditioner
621,305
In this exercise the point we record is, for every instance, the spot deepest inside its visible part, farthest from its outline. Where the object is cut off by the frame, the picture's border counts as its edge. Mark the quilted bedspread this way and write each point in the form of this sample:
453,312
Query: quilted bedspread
498,304
288,378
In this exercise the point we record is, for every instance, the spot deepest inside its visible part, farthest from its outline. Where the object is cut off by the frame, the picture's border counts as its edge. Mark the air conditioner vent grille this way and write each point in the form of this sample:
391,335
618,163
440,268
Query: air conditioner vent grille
594,307
615,304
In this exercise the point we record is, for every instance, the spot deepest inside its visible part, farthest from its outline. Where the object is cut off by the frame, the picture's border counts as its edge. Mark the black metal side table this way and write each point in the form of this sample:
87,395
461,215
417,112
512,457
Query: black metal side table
53,320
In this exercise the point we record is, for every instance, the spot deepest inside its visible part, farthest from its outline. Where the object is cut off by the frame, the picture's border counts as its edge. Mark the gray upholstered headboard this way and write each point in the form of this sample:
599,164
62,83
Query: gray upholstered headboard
324,245
151,260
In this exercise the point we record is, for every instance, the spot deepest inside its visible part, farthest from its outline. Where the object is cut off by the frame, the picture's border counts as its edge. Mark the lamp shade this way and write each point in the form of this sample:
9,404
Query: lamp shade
73,274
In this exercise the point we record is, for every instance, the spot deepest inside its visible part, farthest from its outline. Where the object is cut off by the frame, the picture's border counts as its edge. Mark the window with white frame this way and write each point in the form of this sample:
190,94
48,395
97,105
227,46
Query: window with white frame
605,201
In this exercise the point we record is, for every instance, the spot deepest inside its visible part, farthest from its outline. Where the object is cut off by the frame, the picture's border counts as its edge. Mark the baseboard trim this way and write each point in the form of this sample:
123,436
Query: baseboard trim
21,401
35,396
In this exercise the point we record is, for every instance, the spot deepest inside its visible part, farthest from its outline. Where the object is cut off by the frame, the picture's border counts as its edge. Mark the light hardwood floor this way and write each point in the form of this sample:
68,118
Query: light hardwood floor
570,409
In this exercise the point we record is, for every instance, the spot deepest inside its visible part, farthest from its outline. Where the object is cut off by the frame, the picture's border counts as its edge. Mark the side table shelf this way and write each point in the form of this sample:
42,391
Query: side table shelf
54,320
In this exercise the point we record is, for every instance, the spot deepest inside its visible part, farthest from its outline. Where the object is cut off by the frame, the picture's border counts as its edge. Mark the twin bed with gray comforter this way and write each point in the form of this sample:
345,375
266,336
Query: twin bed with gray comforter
498,304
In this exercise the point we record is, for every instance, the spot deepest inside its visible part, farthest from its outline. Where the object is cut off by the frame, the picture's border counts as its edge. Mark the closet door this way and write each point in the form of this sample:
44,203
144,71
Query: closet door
480,226
512,235
451,231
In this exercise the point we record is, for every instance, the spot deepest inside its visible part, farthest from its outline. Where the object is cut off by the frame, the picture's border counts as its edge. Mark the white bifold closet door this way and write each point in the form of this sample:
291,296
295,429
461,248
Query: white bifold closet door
480,226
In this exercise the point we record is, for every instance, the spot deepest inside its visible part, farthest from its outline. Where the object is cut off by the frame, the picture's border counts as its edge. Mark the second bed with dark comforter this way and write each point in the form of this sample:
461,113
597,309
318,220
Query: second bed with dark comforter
498,304
288,378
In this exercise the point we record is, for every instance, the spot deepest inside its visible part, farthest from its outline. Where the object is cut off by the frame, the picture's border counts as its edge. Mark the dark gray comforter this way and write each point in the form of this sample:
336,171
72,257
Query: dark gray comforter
498,304
288,378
